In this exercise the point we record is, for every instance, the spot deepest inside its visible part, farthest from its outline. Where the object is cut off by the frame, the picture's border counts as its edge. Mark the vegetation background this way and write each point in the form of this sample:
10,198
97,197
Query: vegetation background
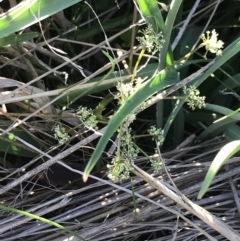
62,65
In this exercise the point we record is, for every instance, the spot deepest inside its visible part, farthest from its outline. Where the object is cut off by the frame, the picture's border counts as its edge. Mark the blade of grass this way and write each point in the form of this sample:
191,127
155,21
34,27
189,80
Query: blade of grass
14,38
152,14
150,10
166,52
220,124
232,133
82,89
166,55
221,158
28,13
41,219
172,117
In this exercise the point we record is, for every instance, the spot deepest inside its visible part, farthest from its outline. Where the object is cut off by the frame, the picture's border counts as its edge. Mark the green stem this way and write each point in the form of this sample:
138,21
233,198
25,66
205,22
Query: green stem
185,57
137,63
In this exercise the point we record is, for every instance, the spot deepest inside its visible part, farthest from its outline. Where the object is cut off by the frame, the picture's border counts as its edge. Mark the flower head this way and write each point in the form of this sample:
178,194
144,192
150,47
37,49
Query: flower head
61,134
192,97
152,41
211,43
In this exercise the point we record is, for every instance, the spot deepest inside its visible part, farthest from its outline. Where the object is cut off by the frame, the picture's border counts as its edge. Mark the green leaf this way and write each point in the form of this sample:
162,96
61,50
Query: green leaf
221,158
112,81
220,124
161,81
177,118
232,133
152,14
28,13
16,39
166,52
41,219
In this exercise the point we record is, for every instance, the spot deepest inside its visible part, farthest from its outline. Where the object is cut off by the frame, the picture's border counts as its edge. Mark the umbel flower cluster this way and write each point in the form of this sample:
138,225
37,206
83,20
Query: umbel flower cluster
192,97
150,40
211,43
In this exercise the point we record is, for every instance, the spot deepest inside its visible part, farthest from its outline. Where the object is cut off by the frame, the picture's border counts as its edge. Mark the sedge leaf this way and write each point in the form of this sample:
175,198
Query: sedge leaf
221,158
28,13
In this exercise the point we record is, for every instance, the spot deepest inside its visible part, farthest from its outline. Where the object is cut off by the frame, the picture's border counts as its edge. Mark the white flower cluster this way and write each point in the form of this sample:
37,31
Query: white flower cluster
120,168
87,117
119,171
125,90
156,164
60,134
211,43
150,40
157,135
192,97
